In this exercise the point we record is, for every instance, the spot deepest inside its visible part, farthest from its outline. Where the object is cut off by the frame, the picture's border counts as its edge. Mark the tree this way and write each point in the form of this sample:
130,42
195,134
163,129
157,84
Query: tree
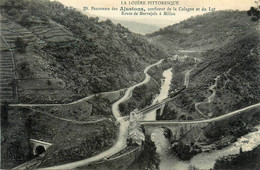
4,113
254,13
148,159
20,44
24,20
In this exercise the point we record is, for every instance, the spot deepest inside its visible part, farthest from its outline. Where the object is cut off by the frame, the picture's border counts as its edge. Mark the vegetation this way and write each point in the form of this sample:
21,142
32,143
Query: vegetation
148,159
99,56
244,160
25,70
142,97
204,32
185,151
15,146
236,62
91,140
4,114
20,45
254,13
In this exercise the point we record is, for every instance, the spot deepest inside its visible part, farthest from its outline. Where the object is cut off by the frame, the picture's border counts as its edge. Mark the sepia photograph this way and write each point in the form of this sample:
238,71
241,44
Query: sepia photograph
130,84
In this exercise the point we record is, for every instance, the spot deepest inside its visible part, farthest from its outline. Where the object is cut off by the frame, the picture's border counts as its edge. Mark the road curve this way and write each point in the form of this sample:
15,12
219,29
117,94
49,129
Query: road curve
206,120
123,130
128,93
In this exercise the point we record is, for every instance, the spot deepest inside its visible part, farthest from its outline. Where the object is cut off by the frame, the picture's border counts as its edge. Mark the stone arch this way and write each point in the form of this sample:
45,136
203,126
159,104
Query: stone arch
167,132
161,137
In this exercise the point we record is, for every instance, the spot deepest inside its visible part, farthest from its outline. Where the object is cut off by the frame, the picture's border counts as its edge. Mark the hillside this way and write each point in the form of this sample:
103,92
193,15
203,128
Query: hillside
244,160
225,81
133,26
203,32
54,54
65,53
137,27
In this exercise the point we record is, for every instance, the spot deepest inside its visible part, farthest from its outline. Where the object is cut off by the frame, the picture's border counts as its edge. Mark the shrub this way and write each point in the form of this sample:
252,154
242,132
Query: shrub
24,20
20,44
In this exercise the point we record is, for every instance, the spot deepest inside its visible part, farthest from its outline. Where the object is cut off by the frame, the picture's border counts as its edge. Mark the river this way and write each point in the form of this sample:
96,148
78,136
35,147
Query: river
167,74
204,160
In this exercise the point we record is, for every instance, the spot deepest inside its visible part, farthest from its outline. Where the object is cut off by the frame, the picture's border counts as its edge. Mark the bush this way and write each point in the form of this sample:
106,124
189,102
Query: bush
4,114
24,20
20,44
24,69
254,13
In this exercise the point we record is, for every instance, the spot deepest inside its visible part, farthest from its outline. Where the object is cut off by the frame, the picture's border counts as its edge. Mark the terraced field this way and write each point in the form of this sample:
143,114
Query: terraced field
53,32
12,85
7,75
8,90
11,31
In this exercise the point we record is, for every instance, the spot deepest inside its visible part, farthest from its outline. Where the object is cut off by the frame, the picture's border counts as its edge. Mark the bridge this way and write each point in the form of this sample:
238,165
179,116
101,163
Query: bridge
39,146
179,128
157,106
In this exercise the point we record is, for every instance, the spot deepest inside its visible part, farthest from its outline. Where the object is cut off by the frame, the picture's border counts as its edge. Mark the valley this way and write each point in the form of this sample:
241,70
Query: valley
102,97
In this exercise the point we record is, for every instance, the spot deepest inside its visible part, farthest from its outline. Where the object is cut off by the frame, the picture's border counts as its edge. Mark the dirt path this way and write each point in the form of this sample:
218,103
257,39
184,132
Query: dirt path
209,100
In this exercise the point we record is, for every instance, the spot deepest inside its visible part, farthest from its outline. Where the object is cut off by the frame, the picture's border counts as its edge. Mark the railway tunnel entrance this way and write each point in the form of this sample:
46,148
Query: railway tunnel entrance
39,146
39,150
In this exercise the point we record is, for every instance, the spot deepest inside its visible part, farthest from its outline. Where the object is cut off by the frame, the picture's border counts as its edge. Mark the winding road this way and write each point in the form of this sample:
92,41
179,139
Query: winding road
124,123
210,98
123,130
